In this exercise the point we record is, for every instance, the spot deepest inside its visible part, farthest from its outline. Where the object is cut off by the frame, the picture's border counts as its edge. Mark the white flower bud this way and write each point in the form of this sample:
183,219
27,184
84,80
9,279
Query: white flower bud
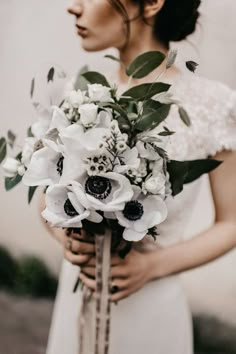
88,114
76,98
10,167
21,170
155,185
121,146
99,93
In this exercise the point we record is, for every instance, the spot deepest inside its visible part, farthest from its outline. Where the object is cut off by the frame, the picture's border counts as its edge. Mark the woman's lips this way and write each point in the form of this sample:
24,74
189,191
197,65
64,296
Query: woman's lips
82,31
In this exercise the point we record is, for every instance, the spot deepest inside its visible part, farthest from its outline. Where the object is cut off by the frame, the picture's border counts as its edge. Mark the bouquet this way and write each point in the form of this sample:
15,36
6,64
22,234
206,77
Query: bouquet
102,159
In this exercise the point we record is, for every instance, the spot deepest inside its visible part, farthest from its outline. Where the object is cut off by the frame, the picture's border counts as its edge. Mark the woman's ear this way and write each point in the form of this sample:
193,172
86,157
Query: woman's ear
152,7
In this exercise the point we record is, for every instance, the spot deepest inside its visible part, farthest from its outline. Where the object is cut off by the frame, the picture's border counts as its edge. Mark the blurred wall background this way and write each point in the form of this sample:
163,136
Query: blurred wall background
37,34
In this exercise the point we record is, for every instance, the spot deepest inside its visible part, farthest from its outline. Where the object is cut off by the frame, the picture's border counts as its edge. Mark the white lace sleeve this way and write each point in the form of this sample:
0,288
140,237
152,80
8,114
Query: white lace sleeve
212,109
222,123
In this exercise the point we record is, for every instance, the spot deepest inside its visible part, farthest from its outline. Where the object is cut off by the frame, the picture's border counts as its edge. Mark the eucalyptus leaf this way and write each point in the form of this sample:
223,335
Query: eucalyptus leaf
3,149
145,63
11,138
182,172
32,87
145,91
29,133
112,57
50,75
123,124
94,77
115,107
19,156
80,81
184,116
12,182
31,193
153,119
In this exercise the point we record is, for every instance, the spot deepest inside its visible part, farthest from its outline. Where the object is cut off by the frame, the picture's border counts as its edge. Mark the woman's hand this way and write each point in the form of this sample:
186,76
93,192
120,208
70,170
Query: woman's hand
128,275
79,248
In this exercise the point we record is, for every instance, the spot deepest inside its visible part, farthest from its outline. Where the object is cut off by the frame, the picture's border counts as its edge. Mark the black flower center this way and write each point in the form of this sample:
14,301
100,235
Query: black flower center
69,209
98,187
60,165
133,210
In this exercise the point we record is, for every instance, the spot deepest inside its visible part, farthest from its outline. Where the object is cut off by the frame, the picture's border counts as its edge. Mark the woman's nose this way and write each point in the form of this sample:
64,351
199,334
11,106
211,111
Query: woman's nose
75,8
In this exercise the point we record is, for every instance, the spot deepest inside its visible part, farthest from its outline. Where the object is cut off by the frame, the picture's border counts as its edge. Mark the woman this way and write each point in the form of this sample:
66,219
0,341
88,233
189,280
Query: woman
152,315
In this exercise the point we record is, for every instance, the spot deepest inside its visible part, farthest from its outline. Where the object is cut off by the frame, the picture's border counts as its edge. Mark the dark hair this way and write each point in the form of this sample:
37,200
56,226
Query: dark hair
176,20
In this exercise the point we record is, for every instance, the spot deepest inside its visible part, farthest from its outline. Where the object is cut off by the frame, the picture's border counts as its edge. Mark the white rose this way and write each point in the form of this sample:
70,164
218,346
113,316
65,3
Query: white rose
88,114
76,98
11,167
155,185
99,93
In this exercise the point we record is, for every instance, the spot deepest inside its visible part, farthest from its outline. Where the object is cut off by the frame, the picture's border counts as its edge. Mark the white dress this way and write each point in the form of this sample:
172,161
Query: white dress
156,319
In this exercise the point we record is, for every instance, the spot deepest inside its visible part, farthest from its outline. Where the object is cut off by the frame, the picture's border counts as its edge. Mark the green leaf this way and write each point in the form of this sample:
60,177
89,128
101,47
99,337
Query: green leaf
116,108
124,125
31,193
93,77
145,91
184,116
50,75
144,64
29,133
32,87
80,82
153,119
112,57
182,172
11,138
12,182
19,156
3,149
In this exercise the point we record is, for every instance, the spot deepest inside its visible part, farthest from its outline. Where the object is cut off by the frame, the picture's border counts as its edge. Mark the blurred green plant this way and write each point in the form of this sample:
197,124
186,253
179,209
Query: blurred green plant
8,270
27,276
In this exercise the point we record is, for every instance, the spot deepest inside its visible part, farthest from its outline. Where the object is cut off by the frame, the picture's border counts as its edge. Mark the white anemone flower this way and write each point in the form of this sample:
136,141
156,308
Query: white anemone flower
76,98
85,143
99,93
40,127
31,144
68,206
58,123
48,167
107,192
141,214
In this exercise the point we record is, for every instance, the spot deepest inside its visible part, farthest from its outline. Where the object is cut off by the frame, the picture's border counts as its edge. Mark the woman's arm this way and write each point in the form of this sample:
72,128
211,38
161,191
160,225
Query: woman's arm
218,239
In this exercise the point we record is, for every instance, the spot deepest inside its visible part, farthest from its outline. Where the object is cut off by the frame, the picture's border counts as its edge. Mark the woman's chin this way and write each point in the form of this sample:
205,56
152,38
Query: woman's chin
90,46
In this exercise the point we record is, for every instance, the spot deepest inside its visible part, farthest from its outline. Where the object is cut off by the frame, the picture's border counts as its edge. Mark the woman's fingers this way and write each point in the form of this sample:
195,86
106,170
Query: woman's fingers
82,247
76,259
84,236
118,272
90,271
90,283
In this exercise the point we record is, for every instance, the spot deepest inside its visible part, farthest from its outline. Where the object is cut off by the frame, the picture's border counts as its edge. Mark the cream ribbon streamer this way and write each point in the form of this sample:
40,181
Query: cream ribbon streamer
100,325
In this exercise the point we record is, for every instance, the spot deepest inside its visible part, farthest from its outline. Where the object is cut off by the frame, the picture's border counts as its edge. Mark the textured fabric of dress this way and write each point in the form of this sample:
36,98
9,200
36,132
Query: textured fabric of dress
156,319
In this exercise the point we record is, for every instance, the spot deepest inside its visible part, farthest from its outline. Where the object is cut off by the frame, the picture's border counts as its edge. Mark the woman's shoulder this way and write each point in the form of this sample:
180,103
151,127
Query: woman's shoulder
211,106
206,93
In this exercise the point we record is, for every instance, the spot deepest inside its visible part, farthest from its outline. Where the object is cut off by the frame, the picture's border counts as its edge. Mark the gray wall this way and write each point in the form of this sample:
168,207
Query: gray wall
36,34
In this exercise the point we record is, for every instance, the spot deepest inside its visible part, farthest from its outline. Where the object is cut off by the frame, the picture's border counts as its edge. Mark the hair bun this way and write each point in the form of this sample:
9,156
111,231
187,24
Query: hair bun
177,20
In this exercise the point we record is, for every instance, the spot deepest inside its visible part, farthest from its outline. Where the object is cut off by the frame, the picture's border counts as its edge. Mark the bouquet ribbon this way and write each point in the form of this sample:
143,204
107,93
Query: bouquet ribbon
101,332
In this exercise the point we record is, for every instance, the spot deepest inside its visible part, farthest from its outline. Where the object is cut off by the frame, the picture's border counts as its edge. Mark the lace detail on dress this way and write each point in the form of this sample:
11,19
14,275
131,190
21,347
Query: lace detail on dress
212,109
